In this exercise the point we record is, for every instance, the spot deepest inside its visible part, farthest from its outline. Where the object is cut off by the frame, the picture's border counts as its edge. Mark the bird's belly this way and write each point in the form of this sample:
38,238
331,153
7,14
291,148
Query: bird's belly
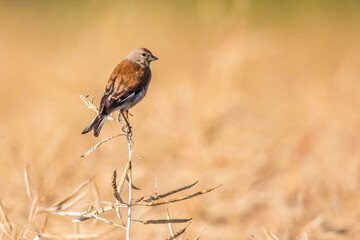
133,101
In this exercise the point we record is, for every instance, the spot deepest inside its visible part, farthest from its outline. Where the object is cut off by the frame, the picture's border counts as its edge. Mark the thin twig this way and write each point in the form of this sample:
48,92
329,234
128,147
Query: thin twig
123,177
68,236
33,209
66,205
71,213
27,183
119,189
151,198
74,193
106,221
32,214
95,212
114,186
3,229
97,217
155,188
132,185
198,237
161,202
164,221
170,226
100,143
173,237
270,234
7,221
43,226
92,106
128,227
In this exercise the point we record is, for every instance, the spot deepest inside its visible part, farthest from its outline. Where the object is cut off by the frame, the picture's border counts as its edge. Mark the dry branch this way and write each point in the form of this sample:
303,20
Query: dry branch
33,209
73,194
102,219
151,198
128,226
132,185
68,204
4,230
8,225
27,183
161,202
94,211
92,106
70,213
173,237
270,235
119,189
43,226
123,177
164,221
198,237
100,143
171,230
67,236
88,215
114,186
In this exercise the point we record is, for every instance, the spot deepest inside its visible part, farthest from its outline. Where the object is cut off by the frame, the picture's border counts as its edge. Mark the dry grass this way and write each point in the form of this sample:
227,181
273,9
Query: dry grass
261,99
40,214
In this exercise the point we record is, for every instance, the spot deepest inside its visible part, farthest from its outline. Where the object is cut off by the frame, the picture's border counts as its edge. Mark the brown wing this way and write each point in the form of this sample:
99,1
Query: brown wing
127,78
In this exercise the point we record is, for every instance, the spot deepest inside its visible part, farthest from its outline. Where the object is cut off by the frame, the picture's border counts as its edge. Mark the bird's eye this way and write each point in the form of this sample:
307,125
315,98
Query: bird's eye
143,54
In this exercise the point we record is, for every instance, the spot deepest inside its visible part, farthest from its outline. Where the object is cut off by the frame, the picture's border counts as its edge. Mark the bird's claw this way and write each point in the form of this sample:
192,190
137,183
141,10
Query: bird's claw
127,130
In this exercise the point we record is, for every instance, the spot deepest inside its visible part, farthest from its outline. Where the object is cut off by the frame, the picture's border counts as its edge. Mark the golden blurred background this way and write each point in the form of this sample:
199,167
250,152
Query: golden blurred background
259,96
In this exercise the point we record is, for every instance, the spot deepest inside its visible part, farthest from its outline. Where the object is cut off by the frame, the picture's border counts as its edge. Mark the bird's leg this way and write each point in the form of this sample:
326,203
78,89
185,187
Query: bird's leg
123,113
121,121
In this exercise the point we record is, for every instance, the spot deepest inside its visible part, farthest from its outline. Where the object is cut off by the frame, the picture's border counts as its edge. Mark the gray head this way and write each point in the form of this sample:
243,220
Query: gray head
142,56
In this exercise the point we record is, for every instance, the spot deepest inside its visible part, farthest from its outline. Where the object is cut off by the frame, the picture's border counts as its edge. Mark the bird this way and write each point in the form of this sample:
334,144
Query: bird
126,86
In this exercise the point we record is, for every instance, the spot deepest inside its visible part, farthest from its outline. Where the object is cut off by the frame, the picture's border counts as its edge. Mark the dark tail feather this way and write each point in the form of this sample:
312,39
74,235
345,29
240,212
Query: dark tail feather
95,125
99,124
91,125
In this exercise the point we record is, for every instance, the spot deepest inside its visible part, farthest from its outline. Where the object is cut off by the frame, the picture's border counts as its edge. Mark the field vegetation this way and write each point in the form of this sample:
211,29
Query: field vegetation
260,97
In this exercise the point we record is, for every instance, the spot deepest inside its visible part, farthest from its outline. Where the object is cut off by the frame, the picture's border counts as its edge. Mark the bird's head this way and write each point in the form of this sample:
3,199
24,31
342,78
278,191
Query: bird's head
142,56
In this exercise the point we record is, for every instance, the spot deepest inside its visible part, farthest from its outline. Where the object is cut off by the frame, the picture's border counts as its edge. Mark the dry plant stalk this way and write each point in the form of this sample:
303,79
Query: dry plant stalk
77,190
100,143
151,198
67,236
94,210
92,106
270,235
156,203
177,234
128,227
198,237
27,183
165,221
171,230
151,201
5,223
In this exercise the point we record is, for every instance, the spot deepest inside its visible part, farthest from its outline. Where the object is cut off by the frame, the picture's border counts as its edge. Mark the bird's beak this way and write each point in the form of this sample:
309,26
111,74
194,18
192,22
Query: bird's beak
153,58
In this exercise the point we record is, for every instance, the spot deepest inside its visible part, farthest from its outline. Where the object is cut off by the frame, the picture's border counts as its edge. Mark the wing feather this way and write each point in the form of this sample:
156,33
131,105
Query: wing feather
127,78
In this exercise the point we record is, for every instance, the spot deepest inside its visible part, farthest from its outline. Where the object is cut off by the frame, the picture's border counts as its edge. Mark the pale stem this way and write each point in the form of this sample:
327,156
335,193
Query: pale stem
130,189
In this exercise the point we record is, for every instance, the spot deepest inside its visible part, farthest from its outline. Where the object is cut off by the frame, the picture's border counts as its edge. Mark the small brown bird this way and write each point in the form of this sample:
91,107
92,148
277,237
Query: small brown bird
126,86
